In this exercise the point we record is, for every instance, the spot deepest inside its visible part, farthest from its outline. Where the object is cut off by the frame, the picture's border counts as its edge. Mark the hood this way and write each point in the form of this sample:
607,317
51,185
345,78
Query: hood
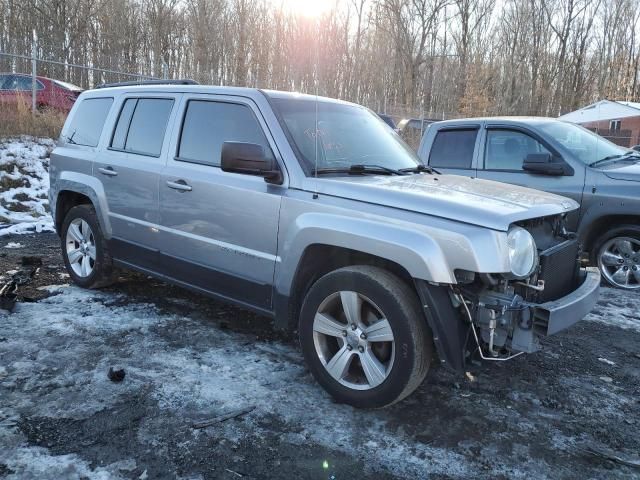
485,203
624,171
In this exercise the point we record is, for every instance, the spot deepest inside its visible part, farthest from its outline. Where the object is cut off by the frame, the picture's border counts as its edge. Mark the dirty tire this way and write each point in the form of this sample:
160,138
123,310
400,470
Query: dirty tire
622,231
103,273
412,338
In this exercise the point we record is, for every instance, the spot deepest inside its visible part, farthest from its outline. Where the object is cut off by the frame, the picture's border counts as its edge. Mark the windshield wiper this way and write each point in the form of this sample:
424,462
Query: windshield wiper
419,169
70,138
361,169
614,157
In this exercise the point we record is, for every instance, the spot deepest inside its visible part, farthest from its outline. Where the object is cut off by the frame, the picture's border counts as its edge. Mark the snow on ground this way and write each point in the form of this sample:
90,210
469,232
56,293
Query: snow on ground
617,307
24,185
184,369
212,371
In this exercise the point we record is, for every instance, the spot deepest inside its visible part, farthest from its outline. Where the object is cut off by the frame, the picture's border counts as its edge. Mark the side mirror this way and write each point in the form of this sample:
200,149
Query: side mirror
545,164
249,159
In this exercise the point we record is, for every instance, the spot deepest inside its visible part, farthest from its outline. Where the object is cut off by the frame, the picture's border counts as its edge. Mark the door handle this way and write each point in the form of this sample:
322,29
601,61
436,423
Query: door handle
108,171
180,185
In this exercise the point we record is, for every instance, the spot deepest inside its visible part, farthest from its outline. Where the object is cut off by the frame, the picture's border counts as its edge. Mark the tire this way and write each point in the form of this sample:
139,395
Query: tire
77,241
402,347
617,255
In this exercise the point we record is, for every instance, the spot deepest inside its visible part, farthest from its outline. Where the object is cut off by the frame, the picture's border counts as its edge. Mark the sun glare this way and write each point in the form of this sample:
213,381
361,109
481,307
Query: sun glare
306,8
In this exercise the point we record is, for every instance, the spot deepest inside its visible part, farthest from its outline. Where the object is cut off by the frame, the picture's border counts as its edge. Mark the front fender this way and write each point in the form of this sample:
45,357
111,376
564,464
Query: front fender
89,186
605,212
415,251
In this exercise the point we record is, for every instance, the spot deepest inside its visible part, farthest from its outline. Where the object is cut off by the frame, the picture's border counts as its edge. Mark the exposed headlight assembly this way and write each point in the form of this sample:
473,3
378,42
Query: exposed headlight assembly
523,253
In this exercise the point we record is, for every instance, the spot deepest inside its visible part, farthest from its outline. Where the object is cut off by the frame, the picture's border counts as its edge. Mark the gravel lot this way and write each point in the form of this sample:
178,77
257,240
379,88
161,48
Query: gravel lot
189,359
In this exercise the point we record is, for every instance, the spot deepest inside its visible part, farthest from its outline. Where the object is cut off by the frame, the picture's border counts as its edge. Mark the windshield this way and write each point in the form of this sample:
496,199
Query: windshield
587,146
347,135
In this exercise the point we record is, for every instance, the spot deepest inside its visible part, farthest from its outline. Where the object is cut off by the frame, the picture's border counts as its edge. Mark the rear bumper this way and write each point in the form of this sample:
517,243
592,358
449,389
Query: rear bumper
554,316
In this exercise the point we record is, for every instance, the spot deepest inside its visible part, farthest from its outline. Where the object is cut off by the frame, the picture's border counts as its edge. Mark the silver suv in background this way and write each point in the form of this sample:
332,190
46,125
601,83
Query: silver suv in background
312,211
558,157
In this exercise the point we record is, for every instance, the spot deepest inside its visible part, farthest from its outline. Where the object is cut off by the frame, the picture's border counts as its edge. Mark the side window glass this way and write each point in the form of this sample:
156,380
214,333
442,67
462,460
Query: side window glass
88,120
507,149
11,83
207,125
4,79
22,83
453,148
19,82
124,120
148,126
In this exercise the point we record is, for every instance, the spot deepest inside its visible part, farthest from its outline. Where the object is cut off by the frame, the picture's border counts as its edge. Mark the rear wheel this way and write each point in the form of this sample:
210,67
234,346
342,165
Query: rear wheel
84,249
618,257
364,337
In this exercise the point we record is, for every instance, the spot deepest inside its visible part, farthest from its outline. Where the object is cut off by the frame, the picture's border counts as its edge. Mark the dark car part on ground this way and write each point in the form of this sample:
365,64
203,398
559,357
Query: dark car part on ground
8,295
30,266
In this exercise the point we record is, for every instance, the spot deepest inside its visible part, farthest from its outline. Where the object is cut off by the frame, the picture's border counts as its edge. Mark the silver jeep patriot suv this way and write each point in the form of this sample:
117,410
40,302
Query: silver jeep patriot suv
313,212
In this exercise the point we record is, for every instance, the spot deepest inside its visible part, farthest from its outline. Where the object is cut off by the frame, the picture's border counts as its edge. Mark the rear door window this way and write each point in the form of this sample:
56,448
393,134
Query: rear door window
207,125
88,121
142,125
453,148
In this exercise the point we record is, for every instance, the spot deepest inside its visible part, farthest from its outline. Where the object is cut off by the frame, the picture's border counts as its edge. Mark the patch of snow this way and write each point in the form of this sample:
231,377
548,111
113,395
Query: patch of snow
24,166
617,307
194,371
604,360
37,462
209,371
13,245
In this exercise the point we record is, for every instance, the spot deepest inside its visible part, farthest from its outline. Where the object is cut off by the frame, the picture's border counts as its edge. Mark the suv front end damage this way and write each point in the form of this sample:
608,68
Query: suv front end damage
504,315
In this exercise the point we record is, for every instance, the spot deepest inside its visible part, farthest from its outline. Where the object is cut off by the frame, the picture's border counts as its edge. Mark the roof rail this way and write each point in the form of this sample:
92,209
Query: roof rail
148,82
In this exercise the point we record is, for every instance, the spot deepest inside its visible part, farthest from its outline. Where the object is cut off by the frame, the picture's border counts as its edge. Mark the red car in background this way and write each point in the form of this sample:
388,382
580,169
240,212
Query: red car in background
15,87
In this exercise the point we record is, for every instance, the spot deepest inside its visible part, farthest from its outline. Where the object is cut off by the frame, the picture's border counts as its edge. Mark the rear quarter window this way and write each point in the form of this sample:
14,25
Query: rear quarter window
88,120
453,148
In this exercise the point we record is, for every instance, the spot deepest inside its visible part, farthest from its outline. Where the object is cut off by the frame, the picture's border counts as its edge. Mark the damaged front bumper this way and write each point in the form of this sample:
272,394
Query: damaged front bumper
555,316
509,323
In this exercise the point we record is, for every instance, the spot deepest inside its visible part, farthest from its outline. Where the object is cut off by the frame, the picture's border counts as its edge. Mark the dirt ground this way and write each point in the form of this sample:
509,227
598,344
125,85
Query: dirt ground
189,359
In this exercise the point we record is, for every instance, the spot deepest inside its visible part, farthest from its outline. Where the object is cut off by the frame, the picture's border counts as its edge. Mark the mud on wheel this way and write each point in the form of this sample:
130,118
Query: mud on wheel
364,337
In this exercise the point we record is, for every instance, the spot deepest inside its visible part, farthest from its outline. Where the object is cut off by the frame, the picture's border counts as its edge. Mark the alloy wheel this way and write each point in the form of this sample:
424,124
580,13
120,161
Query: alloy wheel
619,262
353,340
81,247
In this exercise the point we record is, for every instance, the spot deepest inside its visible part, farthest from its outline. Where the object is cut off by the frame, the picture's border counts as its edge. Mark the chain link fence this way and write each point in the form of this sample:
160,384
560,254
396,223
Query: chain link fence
85,76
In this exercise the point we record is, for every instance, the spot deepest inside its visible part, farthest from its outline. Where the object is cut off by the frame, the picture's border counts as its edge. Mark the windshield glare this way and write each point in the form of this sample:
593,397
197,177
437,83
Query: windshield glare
347,135
587,146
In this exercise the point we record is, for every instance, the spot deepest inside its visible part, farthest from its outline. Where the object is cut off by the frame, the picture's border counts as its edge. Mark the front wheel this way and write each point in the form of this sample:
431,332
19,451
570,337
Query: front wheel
364,336
618,257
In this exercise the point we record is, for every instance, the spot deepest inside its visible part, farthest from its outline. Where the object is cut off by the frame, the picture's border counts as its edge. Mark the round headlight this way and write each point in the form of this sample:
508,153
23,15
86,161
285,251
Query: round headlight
523,254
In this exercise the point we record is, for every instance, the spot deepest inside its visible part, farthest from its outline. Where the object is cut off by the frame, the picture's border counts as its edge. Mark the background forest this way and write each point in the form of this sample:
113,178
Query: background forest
440,58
